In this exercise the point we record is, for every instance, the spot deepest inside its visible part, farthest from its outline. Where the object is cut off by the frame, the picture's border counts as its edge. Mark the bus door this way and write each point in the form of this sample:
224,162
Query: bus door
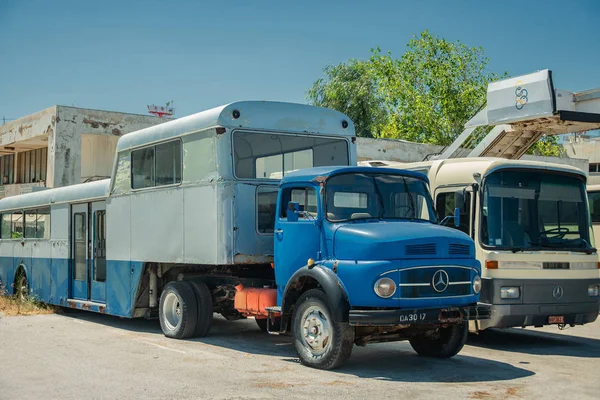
98,258
79,252
88,244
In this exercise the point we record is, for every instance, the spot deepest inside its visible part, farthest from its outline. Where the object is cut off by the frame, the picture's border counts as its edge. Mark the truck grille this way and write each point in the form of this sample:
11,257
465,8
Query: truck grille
417,282
420,249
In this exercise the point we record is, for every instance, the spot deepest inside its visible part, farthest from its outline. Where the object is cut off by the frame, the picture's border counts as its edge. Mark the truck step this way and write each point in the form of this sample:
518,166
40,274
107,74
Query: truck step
273,309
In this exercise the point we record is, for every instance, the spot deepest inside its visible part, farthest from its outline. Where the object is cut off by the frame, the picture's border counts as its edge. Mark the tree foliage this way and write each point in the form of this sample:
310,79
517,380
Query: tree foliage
350,88
425,96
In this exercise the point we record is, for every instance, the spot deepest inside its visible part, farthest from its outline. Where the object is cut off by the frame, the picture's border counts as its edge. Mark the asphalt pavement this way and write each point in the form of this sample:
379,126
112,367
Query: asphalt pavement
93,356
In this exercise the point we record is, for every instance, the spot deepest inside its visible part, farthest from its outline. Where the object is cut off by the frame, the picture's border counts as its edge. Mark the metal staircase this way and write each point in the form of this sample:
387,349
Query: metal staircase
520,111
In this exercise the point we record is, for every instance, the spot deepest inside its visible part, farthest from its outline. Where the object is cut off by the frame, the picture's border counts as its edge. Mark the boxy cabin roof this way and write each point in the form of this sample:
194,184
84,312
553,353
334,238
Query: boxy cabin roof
255,115
82,192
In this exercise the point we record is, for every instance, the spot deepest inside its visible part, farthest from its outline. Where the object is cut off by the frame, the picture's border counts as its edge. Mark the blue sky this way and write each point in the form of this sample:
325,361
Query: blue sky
123,55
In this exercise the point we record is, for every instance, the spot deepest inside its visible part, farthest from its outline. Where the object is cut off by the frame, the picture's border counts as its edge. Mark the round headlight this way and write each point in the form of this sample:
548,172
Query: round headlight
477,284
385,287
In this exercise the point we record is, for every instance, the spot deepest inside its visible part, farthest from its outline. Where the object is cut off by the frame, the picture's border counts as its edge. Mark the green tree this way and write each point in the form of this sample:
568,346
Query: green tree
350,87
425,96
433,89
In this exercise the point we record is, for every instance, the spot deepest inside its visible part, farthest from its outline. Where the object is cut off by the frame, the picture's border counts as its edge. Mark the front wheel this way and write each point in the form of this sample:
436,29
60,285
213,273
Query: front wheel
445,343
320,341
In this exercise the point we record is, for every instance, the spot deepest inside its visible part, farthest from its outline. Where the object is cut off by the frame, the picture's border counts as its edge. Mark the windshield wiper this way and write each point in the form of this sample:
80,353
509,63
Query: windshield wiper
412,201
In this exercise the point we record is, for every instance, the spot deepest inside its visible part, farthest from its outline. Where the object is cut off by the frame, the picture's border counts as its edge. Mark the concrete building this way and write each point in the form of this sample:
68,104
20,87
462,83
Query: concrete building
588,147
62,146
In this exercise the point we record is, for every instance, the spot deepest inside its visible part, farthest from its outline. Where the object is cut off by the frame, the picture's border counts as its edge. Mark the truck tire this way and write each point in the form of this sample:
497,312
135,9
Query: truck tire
204,304
320,342
448,344
178,310
21,285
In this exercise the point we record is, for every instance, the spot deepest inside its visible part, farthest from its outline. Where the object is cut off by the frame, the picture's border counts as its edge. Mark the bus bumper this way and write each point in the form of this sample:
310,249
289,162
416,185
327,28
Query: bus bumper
537,304
521,315
424,316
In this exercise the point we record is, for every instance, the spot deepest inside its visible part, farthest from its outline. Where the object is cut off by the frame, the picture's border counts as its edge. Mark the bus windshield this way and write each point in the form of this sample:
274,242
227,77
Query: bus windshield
355,196
535,210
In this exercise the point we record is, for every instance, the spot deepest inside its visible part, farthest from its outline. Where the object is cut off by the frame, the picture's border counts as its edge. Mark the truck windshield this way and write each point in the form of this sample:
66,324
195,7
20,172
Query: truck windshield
355,196
535,210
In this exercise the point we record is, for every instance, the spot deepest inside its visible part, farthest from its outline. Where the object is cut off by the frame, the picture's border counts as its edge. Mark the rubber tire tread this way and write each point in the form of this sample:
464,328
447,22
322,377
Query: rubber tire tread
189,309
343,334
204,304
450,344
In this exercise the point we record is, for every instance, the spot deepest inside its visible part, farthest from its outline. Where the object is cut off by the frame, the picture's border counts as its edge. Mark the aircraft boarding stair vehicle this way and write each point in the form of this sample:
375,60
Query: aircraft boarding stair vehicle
521,110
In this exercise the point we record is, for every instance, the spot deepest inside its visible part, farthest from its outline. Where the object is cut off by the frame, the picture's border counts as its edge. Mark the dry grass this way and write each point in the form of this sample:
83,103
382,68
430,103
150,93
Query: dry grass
10,306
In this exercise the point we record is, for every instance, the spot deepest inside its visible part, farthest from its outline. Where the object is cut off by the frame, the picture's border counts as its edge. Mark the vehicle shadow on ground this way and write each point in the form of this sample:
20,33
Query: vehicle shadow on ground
537,343
386,361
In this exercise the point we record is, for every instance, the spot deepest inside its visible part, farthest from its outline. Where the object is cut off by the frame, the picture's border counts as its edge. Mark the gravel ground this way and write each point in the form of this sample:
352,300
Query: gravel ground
86,355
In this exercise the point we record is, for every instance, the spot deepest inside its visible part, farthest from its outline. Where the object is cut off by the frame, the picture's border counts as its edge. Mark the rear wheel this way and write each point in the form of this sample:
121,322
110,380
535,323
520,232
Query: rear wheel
21,286
320,341
178,310
446,343
204,304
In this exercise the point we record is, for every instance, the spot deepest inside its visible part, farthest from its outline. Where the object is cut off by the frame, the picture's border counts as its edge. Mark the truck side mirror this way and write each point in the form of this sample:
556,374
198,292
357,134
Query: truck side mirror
457,217
293,210
459,199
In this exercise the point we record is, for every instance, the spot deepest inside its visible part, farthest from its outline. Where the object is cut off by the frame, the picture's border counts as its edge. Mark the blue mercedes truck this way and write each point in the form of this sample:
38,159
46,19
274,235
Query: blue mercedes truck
360,257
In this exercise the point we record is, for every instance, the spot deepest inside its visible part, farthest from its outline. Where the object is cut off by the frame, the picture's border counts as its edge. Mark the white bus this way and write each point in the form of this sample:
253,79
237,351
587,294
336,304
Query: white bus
533,236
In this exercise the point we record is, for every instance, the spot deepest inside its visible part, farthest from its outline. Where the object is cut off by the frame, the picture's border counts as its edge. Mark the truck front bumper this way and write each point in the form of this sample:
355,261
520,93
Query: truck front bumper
422,316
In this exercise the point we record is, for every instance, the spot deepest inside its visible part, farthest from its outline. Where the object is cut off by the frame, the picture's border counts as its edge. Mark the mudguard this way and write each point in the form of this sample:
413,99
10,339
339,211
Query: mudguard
328,281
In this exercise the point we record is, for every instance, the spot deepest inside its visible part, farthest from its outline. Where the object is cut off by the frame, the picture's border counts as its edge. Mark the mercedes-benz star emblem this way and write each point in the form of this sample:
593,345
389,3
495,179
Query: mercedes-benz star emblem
440,281
557,292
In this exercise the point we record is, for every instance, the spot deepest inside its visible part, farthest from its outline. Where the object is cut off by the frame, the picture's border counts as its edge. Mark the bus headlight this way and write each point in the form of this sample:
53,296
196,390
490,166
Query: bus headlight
510,292
476,284
593,290
385,287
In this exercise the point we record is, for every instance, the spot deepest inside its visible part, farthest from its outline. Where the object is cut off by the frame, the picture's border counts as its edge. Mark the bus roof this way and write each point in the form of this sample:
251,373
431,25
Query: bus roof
462,169
259,115
318,173
74,193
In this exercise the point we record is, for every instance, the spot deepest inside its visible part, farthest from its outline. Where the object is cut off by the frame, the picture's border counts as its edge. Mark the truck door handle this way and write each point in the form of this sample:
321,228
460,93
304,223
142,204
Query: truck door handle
278,231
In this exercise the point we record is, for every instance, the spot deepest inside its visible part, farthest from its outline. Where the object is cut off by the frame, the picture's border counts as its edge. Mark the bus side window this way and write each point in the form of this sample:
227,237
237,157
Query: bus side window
594,198
444,206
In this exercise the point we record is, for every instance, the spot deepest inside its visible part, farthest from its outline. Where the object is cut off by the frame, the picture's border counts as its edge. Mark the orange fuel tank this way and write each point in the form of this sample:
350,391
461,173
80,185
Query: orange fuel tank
253,301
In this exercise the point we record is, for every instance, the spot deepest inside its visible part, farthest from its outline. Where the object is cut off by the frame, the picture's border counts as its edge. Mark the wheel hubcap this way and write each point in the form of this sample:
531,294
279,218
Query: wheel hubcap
172,311
316,330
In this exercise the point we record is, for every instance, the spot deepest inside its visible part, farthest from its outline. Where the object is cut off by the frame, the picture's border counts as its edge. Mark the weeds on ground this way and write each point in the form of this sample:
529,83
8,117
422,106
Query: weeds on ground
11,305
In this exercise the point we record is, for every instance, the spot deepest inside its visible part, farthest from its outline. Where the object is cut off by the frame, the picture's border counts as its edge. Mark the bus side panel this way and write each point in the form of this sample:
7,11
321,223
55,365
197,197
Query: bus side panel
157,225
59,288
118,287
201,224
7,273
41,266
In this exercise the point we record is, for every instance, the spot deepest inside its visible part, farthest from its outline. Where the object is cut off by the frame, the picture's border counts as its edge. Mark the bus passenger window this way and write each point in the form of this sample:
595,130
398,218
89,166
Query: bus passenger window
142,168
17,225
6,231
168,163
42,229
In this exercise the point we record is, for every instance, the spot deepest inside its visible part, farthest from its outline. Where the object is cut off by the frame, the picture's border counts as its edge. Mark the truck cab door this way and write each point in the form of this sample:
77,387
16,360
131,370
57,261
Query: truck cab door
295,240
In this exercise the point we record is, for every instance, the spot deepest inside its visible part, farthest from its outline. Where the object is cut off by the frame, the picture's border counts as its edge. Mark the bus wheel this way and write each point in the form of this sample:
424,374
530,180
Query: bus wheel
21,285
447,343
320,342
177,310
204,304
